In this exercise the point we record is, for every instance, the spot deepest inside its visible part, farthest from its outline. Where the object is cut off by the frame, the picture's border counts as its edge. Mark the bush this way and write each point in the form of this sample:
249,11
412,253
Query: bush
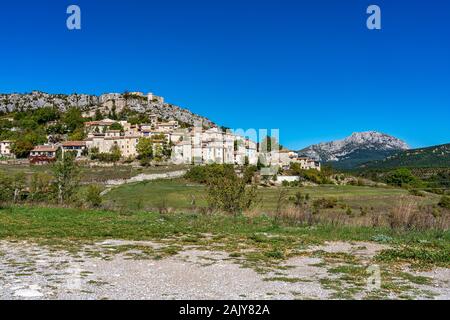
41,187
6,190
207,173
249,173
105,157
325,203
403,177
230,194
444,202
299,199
406,215
417,193
312,175
92,196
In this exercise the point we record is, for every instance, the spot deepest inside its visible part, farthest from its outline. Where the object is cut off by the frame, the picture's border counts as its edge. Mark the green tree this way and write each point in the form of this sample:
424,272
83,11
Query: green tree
77,135
98,115
66,177
6,189
18,185
27,123
21,148
116,126
46,114
115,153
40,186
402,177
73,119
249,173
144,148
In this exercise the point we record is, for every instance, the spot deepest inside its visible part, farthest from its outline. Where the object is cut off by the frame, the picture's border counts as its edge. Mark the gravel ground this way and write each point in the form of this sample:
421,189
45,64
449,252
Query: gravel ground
32,271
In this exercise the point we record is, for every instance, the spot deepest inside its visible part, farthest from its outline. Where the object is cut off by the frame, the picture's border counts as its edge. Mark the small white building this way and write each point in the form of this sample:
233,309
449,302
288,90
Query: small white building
182,152
5,149
79,147
167,126
43,154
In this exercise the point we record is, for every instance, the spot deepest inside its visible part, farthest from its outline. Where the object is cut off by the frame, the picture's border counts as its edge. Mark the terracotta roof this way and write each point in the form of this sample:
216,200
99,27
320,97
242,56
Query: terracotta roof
181,143
100,123
45,149
74,144
122,138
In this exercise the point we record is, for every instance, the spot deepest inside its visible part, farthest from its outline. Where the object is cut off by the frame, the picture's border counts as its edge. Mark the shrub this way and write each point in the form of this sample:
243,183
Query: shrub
66,178
325,203
349,212
230,194
401,216
92,195
6,190
207,173
298,215
249,173
406,215
299,199
444,202
105,157
402,177
417,193
41,187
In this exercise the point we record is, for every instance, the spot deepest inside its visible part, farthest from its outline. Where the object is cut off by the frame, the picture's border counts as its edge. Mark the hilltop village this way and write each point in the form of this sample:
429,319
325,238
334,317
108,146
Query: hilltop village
157,139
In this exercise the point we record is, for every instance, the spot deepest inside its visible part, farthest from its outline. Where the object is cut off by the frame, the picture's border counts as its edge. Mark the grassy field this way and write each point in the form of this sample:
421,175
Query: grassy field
180,194
262,243
93,174
273,239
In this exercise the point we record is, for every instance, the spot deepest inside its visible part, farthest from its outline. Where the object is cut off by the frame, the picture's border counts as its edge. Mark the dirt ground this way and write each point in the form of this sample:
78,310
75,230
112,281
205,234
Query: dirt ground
115,269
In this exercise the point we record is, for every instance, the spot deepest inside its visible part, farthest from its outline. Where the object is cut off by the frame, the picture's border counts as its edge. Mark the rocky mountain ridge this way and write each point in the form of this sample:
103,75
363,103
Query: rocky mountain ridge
358,148
137,102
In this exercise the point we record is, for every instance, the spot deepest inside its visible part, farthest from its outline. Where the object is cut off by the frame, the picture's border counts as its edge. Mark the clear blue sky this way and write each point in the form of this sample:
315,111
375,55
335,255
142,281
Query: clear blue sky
310,68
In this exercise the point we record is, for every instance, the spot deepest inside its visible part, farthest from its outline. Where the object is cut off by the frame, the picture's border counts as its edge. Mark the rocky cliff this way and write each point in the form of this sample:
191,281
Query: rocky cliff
105,103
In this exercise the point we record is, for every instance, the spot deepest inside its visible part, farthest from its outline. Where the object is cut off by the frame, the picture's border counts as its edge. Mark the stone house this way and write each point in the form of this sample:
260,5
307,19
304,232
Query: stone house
101,126
167,126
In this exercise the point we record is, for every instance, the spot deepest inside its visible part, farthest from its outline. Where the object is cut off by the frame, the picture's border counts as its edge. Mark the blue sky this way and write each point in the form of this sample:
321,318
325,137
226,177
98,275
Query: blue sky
310,68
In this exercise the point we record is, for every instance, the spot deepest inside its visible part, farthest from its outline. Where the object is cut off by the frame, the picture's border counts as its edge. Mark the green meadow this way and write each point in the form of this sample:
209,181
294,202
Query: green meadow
180,195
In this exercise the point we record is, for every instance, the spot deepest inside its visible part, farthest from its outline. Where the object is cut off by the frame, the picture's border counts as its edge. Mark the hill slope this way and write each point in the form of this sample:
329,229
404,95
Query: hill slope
355,150
430,157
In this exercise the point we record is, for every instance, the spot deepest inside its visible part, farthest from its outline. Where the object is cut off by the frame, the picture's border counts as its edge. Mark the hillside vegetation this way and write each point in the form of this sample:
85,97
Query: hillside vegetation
430,157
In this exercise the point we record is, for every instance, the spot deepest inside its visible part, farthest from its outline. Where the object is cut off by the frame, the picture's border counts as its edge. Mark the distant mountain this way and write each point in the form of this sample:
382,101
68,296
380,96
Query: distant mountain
359,148
430,157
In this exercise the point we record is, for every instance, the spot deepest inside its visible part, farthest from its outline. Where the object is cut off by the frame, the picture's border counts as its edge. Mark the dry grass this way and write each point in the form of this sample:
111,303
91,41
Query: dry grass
405,215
